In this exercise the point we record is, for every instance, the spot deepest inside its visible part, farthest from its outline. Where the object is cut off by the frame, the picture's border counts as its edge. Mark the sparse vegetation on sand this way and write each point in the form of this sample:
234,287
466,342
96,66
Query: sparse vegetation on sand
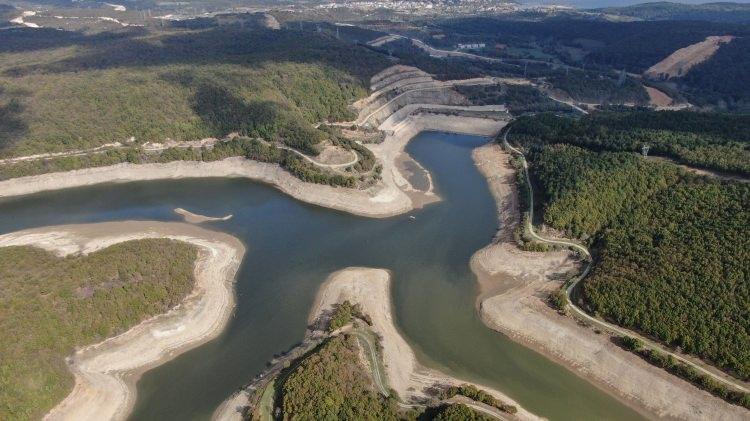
473,393
52,305
255,149
684,371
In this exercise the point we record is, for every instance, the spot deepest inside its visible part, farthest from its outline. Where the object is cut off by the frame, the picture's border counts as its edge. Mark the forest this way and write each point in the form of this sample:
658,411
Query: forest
723,79
708,140
332,383
181,85
52,305
584,192
633,46
675,267
659,236
519,99
599,89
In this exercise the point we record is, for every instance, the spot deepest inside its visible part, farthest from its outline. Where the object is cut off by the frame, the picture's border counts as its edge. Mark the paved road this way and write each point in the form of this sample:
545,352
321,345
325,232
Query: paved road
720,377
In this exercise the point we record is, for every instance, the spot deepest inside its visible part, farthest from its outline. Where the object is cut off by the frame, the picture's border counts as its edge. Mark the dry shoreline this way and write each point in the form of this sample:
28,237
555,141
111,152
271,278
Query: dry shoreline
393,196
514,286
195,218
106,372
371,288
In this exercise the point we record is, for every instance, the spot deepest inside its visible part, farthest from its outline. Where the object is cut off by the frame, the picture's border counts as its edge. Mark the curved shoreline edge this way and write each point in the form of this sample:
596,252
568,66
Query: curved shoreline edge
195,218
106,373
513,287
393,196
371,289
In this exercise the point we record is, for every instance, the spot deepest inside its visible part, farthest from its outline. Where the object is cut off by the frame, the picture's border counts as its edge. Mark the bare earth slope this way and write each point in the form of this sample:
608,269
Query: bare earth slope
682,60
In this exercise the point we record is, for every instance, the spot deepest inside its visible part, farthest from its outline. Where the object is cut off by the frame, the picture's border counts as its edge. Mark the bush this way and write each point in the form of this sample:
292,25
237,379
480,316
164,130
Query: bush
630,343
559,300
345,313
472,392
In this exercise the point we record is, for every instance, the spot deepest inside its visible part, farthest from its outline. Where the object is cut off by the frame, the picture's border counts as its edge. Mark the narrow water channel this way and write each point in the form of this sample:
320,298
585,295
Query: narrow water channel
291,249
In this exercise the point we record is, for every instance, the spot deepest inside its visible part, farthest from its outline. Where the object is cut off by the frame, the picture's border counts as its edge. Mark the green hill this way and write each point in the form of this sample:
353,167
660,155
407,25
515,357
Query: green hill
184,85
53,305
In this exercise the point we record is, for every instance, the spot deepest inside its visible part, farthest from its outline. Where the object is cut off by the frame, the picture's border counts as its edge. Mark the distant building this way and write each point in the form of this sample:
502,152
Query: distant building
475,46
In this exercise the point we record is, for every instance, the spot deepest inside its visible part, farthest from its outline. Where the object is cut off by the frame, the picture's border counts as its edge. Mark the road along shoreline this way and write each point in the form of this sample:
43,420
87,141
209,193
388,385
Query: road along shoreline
106,373
394,195
514,286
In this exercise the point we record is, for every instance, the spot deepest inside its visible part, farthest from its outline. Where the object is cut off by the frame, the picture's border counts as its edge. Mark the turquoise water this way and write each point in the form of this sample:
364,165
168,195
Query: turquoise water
291,249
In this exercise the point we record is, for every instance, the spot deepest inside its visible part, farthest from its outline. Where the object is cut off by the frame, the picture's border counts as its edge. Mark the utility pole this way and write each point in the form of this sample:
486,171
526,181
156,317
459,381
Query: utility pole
621,80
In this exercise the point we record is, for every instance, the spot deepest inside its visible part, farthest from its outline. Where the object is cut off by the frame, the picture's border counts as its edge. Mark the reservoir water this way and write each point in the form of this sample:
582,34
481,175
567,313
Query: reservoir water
291,249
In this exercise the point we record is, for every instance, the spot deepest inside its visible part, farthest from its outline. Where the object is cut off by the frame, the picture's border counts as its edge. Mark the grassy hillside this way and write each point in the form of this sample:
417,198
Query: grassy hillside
61,92
52,305
670,248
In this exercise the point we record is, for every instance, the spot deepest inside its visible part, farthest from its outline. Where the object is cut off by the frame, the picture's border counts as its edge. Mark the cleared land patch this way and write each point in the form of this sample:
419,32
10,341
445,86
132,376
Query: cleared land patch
681,61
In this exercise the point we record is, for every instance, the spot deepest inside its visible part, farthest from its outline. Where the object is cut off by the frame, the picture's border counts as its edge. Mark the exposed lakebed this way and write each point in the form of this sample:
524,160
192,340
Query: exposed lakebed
293,247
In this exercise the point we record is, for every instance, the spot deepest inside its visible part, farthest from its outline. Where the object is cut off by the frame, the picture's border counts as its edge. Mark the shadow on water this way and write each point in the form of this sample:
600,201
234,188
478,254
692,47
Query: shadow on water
291,249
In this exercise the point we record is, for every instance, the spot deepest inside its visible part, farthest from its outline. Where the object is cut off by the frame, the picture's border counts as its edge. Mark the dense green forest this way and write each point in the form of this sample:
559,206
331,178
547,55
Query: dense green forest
634,46
519,99
52,305
332,383
599,89
185,85
670,248
585,191
723,79
675,267
714,141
